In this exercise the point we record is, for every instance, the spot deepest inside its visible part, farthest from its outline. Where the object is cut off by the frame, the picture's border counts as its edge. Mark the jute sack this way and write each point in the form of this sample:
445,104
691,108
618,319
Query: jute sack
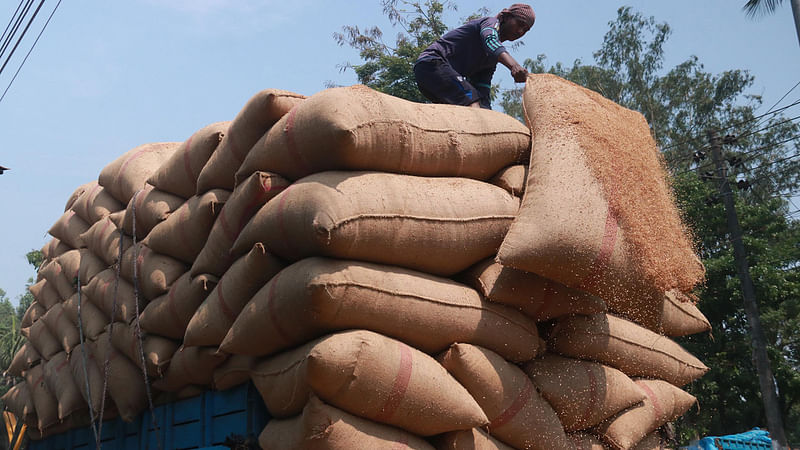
184,233
55,277
155,272
150,206
248,197
53,248
178,174
44,401
190,365
24,359
103,239
77,193
84,314
664,403
68,229
214,317
59,379
233,372
586,441
435,225
45,292
323,427
125,383
34,312
681,317
518,415
316,296
169,314
61,327
583,393
83,363
537,297
598,212
652,441
371,376
80,265
512,179
157,350
357,128
472,439
105,290
129,172
18,400
622,344
42,339
95,203
256,118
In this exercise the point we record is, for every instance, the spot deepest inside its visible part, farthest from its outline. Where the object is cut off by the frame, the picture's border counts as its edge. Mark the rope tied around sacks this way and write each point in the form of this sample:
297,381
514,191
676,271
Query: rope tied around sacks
95,430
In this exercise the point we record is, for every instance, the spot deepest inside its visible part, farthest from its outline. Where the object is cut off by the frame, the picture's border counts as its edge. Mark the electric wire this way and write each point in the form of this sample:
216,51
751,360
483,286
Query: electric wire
11,21
8,59
10,37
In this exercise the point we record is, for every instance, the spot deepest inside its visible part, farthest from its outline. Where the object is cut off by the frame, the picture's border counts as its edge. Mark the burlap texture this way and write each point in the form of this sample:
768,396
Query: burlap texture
55,277
130,171
512,179
61,327
125,380
77,193
18,400
81,264
44,401
34,312
435,225
233,372
103,240
83,363
681,317
157,350
586,441
60,382
472,439
68,229
169,314
357,128
155,271
92,319
316,296
52,249
24,359
190,365
42,339
45,293
95,203
151,206
105,290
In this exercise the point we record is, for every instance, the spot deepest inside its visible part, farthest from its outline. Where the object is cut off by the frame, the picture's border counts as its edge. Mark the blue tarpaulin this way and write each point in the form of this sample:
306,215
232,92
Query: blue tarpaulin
755,439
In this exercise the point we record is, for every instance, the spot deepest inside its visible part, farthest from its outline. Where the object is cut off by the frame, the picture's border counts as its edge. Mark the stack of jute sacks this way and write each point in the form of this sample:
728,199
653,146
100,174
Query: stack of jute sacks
388,274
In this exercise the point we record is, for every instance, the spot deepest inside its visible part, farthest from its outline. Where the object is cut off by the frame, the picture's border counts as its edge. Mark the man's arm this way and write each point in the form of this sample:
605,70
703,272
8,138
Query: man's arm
519,73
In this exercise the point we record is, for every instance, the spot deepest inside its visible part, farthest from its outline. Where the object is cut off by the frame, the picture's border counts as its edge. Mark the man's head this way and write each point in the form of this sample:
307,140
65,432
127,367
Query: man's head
515,21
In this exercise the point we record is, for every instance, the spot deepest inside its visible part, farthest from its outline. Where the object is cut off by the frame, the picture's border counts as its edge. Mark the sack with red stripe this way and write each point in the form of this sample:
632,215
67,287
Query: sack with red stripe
130,171
169,314
24,359
233,372
598,212
34,312
59,379
157,350
61,327
125,380
190,366
95,203
472,439
92,320
39,335
518,415
44,401
68,229
103,240
371,376
150,206
18,400
155,272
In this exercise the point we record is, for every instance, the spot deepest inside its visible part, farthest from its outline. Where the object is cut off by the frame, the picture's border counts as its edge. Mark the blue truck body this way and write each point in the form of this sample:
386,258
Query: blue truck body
755,439
203,422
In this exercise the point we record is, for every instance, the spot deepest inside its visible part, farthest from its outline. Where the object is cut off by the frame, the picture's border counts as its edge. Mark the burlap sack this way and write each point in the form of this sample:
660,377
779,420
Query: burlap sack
583,393
255,119
323,427
77,193
357,128
233,372
248,197
105,290
518,415
155,272
664,403
61,327
84,314
598,212
371,376
157,350
512,179
184,233
42,339
150,206
125,381
34,312
55,277
435,225
178,174
681,317
68,229
84,365
537,297
214,317
129,172
190,365
316,296
24,359
45,292
626,346
52,249
103,239
652,441
585,441
169,314
95,203
79,264
59,379
44,401
18,400
472,439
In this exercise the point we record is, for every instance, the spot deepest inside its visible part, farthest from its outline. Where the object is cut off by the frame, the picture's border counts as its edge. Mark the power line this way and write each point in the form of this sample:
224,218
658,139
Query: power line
3,37
21,36
7,40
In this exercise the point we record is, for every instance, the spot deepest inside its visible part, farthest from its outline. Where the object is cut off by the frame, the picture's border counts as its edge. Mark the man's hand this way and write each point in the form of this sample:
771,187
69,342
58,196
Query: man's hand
519,73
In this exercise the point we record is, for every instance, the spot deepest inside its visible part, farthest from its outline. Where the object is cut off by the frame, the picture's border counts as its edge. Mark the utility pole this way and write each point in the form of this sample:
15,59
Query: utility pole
796,14
765,377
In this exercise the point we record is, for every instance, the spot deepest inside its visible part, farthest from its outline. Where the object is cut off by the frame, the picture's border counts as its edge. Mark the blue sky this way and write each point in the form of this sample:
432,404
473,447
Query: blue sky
107,76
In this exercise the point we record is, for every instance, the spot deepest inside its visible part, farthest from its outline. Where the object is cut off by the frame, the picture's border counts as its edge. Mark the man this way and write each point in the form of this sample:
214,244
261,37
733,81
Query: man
458,67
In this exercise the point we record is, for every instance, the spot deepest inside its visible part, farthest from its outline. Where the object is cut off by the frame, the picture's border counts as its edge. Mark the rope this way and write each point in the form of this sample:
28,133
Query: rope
85,362
138,326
